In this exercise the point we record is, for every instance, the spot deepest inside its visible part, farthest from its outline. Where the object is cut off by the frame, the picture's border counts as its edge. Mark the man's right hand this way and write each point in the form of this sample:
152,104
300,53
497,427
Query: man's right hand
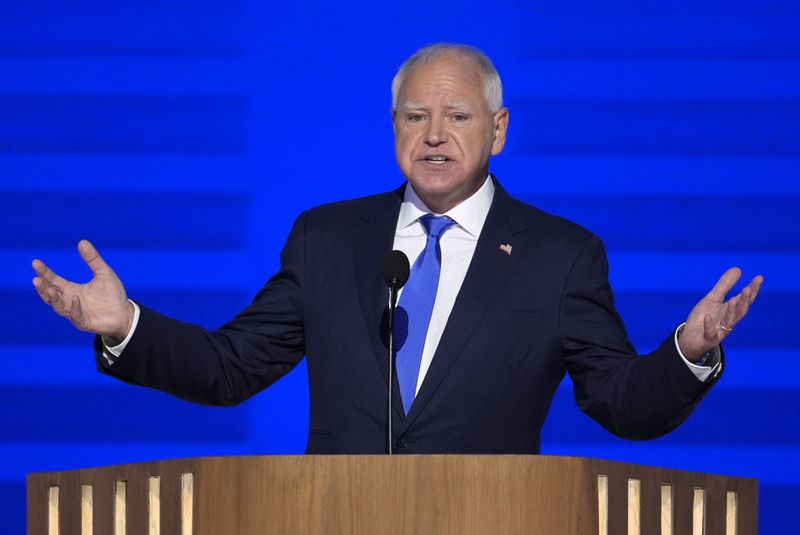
100,306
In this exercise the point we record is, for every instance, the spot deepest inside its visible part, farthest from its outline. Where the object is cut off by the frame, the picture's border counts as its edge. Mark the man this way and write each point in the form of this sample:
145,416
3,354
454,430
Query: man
518,297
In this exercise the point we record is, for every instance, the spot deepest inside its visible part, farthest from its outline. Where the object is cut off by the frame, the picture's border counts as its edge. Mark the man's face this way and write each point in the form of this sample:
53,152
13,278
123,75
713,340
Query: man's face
444,132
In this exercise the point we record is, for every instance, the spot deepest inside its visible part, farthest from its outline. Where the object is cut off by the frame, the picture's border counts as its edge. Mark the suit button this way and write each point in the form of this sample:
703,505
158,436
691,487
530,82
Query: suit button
402,443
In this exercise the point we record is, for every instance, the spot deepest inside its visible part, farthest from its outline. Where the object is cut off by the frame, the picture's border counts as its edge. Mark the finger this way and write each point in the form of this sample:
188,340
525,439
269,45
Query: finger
743,305
724,284
41,288
92,257
731,317
755,286
46,273
738,306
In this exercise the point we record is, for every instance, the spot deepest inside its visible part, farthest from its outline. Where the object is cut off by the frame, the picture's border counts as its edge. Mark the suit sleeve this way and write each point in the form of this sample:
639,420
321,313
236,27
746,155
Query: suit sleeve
636,397
241,358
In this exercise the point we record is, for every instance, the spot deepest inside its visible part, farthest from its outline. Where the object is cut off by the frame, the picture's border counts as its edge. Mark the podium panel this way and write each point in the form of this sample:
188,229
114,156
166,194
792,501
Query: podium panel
414,494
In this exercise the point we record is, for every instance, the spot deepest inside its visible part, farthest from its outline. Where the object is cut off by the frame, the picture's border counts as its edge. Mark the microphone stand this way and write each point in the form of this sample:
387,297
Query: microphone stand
390,379
395,275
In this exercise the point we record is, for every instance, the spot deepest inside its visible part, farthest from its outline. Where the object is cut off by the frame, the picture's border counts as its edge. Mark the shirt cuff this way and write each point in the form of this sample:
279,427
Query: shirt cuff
112,353
708,367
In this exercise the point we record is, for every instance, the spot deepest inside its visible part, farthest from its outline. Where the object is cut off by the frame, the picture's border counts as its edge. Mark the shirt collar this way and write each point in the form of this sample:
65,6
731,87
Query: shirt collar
469,214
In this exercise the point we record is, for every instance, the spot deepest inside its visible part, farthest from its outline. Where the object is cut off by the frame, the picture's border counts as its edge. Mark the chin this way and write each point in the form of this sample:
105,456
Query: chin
437,180
436,185
436,193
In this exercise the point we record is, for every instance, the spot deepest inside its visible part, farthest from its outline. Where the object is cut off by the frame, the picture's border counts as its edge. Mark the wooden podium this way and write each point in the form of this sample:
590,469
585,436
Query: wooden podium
415,495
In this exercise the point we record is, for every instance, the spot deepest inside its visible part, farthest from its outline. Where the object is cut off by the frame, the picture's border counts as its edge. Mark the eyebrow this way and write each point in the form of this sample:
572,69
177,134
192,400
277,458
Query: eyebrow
411,106
459,105
451,105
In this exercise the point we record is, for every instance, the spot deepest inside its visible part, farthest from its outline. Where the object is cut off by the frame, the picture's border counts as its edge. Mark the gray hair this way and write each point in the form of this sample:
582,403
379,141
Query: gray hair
492,86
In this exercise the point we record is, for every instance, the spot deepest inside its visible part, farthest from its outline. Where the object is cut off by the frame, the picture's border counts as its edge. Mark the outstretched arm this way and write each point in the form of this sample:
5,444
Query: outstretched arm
638,398
713,318
99,306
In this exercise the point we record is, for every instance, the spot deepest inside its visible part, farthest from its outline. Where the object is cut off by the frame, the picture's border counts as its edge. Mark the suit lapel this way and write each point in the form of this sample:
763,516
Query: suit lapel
488,270
372,241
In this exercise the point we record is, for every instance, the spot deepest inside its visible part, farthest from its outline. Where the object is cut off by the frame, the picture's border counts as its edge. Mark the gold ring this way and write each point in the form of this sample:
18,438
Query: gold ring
726,329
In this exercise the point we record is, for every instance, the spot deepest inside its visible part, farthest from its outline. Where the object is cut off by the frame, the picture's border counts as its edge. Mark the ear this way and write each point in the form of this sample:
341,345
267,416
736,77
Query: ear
500,120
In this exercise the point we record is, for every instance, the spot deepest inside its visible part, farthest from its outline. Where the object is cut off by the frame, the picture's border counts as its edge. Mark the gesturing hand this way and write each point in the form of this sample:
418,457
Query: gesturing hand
100,306
713,318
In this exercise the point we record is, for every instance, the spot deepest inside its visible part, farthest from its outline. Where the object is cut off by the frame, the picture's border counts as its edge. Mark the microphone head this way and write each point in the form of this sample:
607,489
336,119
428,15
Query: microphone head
395,269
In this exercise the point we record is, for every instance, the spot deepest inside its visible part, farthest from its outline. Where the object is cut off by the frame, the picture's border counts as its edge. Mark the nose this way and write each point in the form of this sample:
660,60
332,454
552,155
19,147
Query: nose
436,133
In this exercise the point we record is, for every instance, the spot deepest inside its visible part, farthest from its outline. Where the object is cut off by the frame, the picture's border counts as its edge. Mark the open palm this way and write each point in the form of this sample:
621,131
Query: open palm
99,306
714,318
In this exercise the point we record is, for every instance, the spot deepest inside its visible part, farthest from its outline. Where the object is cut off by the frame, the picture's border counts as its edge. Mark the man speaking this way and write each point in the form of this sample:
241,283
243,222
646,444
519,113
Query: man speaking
502,301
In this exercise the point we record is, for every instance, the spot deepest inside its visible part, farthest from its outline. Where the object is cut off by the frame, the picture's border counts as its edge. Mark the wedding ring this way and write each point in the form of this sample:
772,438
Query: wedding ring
726,329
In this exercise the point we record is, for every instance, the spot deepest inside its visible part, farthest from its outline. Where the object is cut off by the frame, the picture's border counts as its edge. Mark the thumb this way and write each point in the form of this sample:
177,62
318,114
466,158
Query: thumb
93,258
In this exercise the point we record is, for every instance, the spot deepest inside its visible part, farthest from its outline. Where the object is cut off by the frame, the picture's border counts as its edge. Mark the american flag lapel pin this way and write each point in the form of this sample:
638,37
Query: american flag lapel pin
506,248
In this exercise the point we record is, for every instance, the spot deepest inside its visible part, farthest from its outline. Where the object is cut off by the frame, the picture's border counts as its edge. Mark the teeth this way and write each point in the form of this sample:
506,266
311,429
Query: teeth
436,159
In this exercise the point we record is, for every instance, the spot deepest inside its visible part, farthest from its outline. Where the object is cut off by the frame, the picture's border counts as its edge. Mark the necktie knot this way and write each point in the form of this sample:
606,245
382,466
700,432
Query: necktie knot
435,225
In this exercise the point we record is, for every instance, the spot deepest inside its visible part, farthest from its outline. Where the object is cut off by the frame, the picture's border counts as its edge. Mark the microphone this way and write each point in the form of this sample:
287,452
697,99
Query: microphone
395,274
395,269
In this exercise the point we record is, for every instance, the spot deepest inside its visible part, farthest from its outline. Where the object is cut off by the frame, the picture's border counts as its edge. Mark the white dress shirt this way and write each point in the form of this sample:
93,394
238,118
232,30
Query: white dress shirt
458,245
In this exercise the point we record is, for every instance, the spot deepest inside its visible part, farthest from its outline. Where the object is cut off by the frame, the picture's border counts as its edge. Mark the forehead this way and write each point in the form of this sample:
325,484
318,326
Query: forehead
451,77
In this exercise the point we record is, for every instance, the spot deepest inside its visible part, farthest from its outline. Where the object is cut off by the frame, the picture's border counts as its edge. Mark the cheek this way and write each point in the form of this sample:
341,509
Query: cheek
404,147
473,147
403,156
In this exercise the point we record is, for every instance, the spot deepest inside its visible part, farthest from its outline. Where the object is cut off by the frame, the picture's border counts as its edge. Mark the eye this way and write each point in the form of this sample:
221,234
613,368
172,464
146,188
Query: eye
414,117
459,117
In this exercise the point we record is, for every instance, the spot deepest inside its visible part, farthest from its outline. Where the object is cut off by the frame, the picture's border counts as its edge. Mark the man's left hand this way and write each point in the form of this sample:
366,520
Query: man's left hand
713,318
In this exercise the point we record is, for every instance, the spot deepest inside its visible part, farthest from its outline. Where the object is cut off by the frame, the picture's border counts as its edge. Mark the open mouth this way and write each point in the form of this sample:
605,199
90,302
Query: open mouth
436,160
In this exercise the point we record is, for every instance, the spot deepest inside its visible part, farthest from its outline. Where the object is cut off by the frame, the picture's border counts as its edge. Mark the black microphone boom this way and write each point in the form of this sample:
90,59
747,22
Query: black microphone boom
395,273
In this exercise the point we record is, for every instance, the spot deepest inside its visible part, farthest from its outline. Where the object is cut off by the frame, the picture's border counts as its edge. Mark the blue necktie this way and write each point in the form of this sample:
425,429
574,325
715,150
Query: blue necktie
417,300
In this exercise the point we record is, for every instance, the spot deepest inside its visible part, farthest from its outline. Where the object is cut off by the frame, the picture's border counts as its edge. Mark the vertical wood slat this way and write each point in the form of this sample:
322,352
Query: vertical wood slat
699,512
52,510
634,506
154,505
730,513
666,509
87,510
602,504
187,503
120,507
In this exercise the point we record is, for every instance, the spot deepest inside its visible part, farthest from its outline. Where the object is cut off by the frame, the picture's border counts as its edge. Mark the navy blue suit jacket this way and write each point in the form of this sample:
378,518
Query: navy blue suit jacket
520,322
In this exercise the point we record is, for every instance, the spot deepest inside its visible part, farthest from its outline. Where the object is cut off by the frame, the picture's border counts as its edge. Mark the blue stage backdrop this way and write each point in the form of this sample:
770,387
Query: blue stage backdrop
183,138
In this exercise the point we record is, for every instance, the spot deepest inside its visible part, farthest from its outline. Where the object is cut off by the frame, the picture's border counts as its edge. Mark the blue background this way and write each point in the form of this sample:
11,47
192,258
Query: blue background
183,138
